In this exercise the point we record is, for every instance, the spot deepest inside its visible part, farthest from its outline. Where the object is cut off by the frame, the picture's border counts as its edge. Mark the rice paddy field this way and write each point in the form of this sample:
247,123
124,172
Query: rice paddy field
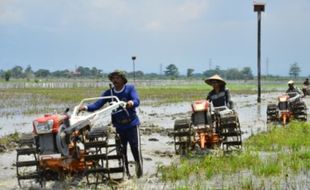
273,157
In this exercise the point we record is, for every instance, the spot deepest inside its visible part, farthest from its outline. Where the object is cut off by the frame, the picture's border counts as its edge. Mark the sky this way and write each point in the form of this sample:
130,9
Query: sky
197,34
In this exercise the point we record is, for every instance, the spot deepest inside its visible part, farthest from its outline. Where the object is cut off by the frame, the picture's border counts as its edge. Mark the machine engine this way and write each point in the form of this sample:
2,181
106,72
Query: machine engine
50,134
207,129
61,145
290,106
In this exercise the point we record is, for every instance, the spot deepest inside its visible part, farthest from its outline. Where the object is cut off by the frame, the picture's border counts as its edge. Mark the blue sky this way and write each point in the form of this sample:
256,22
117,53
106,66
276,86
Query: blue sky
63,34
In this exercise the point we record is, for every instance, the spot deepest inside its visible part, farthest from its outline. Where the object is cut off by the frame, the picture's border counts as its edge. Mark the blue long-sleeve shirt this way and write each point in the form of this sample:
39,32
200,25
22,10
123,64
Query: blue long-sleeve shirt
121,119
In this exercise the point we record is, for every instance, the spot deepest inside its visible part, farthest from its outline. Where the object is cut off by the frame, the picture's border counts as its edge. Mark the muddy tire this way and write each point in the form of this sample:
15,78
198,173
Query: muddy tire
182,136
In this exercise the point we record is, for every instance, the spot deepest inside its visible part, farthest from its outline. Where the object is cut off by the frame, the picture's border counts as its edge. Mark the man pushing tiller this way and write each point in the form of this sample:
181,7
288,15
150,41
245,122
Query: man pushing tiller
126,120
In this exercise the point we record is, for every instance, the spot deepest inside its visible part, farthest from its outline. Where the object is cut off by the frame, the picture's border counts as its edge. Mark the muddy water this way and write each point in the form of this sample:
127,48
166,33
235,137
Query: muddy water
19,123
157,146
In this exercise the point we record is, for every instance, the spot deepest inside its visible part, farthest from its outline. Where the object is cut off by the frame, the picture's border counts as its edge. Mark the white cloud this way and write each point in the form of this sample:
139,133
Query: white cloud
150,15
113,8
192,9
9,13
172,16
153,25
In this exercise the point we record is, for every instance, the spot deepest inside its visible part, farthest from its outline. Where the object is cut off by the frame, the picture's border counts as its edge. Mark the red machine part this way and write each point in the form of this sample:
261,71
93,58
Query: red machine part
285,114
206,140
57,121
62,164
283,98
200,105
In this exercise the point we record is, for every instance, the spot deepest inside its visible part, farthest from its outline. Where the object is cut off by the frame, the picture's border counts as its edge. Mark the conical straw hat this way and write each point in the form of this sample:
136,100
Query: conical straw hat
290,82
214,77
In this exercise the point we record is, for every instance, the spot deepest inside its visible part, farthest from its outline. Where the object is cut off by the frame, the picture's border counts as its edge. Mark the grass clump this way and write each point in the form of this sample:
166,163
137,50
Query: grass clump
9,141
275,153
14,137
293,137
154,95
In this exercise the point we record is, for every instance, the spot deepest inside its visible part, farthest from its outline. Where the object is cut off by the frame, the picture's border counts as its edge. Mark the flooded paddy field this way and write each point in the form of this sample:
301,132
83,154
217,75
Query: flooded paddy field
157,145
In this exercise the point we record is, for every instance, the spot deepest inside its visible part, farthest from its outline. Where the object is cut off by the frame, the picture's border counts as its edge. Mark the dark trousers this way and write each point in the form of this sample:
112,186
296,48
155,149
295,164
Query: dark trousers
131,136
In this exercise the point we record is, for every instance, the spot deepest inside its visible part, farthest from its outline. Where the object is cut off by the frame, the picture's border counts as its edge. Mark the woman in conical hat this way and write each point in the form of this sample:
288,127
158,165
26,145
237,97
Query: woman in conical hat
219,95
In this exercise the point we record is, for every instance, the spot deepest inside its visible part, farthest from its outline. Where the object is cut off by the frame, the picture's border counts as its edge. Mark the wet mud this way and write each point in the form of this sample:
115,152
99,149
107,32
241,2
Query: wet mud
157,143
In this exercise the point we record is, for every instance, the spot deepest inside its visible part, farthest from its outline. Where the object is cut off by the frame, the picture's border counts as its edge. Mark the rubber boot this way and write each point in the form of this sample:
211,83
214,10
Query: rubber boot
139,169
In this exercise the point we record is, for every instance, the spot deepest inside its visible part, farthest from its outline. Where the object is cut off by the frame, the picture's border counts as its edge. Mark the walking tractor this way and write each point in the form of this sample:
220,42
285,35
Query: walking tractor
290,106
76,146
208,127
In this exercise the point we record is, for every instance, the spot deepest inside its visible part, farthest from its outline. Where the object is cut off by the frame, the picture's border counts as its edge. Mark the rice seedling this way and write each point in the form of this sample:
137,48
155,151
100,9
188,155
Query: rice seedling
268,167
274,153
9,141
156,95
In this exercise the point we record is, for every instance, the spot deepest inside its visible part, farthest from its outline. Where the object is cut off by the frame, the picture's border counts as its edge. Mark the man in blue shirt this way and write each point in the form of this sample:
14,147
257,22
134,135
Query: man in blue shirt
126,121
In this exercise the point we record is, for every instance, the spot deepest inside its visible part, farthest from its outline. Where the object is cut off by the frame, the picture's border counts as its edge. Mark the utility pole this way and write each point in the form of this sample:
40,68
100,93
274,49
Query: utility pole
259,7
134,71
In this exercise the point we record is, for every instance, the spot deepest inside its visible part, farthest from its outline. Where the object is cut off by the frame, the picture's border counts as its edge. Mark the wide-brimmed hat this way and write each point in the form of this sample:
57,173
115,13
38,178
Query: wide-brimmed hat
118,73
214,78
290,82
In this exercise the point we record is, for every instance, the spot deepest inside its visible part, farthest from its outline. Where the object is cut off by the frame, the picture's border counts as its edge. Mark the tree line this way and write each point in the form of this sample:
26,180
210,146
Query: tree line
171,72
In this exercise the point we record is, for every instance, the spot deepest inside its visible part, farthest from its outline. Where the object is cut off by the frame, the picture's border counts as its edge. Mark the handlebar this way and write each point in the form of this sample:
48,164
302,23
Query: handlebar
115,103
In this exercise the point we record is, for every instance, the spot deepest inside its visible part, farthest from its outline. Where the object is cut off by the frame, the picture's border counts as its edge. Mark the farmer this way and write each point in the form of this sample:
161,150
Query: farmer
126,121
292,88
306,82
295,96
305,88
219,95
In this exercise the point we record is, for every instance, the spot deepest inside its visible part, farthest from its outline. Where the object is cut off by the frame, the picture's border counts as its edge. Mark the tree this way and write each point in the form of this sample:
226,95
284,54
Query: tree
96,72
28,69
28,72
7,75
63,73
139,74
17,72
233,74
294,70
211,72
42,73
84,71
189,72
247,73
172,71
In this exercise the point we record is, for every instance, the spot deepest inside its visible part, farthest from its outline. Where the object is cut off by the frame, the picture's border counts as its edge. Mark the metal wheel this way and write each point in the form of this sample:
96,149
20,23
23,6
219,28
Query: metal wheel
230,132
300,111
182,136
27,164
104,161
272,113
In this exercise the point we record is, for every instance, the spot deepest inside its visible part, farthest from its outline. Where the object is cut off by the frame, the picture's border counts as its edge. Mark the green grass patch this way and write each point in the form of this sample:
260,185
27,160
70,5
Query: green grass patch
155,95
6,141
278,152
293,137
